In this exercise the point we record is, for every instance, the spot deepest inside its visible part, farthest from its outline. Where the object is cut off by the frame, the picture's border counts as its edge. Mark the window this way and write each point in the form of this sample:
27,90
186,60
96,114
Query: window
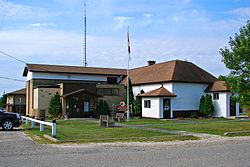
147,103
108,91
111,80
216,96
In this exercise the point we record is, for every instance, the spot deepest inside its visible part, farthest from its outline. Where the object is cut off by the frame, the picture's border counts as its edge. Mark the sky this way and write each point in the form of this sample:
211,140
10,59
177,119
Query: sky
51,32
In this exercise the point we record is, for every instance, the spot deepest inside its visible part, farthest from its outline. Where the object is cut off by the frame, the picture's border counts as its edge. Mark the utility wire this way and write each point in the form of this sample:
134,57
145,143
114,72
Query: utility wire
12,79
12,57
4,13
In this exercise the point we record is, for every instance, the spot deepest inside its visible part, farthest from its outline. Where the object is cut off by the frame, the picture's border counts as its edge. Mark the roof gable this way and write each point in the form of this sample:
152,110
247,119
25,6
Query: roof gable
218,86
160,92
18,92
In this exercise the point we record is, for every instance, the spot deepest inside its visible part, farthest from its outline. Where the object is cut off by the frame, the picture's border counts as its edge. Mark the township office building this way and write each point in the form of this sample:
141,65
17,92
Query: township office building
168,90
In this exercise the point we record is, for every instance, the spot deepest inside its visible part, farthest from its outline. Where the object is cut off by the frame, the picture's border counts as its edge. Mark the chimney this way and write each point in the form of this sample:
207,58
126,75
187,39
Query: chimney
151,62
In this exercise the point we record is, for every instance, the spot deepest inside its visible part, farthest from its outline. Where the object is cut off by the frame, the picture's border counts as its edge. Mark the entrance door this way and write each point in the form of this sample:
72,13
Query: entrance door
166,108
232,107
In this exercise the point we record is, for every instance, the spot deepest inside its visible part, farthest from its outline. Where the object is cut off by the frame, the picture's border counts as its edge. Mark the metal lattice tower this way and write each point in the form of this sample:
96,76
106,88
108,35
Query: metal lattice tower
85,37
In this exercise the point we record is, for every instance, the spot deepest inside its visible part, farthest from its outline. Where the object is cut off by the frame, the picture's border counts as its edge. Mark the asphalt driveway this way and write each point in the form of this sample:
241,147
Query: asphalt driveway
19,150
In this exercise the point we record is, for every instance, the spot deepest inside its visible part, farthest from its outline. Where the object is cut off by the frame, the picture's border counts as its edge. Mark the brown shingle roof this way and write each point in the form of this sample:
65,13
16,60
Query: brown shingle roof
18,92
160,92
218,86
171,71
72,70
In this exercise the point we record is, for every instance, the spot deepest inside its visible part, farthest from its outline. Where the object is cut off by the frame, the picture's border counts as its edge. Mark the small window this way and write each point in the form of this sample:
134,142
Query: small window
216,96
115,92
147,103
107,92
111,80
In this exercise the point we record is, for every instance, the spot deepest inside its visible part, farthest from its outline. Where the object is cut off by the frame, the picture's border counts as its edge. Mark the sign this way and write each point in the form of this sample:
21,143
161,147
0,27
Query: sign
121,107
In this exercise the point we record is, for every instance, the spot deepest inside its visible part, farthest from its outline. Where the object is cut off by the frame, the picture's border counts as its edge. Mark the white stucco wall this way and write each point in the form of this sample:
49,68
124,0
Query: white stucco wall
153,111
146,88
222,105
187,96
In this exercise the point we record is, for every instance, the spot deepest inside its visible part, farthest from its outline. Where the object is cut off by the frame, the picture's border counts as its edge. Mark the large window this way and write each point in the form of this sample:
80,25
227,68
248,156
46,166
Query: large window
216,96
108,91
147,104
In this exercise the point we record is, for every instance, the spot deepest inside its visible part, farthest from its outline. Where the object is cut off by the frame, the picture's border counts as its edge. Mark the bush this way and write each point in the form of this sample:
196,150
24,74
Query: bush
206,107
102,109
138,107
55,106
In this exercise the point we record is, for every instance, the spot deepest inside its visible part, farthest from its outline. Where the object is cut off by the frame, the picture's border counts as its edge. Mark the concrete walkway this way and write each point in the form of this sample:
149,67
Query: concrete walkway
146,127
175,132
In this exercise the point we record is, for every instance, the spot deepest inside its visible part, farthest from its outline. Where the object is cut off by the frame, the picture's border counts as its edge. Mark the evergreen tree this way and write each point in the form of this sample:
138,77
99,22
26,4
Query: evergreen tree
131,95
206,107
102,109
55,105
3,100
138,106
201,106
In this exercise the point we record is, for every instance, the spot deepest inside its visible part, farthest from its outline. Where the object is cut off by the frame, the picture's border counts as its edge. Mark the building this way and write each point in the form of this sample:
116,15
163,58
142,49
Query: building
174,88
168,90
16,101
80,88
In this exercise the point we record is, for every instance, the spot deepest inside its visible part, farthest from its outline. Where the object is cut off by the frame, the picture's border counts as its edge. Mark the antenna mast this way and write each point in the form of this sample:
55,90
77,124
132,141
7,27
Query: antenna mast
85,37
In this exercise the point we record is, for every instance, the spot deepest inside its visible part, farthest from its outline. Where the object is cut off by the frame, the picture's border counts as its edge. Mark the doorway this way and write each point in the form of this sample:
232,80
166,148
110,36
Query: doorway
232,107
166,108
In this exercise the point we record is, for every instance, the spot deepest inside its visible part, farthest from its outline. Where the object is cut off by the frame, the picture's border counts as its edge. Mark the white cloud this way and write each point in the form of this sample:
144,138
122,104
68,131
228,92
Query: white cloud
176,19
122,21
243,12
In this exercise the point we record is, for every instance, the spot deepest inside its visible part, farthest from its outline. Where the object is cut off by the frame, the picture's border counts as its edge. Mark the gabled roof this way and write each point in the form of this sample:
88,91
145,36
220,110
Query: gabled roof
218,86
171,71
18,92
72,70
160,92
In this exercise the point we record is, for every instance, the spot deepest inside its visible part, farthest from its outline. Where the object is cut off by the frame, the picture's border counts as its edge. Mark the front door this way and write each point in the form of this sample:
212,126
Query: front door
232,107
166,108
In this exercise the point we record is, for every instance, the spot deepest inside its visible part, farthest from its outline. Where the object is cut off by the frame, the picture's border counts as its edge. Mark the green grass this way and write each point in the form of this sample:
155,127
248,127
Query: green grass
88,132
216,126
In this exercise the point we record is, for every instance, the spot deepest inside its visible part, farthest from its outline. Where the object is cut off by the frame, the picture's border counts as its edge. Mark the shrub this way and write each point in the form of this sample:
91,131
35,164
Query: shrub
206,107
138,107
102,109
55,106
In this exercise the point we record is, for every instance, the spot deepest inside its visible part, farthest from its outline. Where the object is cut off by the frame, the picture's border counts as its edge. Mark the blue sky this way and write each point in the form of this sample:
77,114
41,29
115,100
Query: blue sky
51,32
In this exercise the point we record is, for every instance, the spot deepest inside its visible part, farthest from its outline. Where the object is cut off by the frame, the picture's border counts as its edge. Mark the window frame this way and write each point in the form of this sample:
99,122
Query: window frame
147,103
216,96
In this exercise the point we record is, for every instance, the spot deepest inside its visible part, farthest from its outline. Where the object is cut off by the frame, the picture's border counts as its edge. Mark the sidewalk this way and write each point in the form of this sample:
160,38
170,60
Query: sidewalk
175,132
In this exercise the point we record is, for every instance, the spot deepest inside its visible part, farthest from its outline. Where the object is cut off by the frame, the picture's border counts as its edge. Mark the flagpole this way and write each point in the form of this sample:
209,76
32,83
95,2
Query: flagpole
128,106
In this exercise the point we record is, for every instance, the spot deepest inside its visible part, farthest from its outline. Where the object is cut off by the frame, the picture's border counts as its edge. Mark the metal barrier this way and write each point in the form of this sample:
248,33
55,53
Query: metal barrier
42,123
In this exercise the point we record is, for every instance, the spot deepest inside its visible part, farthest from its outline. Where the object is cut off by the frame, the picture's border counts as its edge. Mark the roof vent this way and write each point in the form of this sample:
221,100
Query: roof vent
151,62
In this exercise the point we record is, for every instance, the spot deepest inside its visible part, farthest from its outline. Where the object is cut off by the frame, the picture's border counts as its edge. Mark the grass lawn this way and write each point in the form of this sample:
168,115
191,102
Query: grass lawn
216,126
87,132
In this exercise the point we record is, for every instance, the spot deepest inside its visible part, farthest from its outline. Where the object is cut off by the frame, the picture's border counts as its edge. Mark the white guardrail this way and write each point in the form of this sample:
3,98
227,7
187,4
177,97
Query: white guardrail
42,123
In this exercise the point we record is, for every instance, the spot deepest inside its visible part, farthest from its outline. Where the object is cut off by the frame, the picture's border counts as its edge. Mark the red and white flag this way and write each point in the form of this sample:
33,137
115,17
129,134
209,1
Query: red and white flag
129,49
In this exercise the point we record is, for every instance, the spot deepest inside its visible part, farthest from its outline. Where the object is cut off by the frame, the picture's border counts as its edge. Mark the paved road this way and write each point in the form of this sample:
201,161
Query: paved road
18,150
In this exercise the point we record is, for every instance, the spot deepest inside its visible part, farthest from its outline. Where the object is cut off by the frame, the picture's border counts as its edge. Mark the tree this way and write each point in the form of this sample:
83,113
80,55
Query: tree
55,106
237,59
102,109
3,100
138,106
131,94
206,107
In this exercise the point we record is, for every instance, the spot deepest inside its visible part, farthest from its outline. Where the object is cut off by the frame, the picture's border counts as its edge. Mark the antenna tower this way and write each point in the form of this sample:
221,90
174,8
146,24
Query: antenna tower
85,37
